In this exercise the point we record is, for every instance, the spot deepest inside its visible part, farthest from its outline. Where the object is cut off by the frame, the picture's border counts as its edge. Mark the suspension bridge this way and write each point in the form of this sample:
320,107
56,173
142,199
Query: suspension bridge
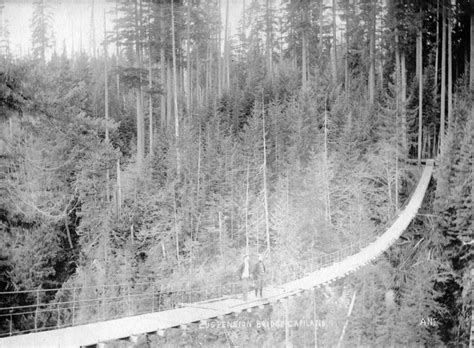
96,315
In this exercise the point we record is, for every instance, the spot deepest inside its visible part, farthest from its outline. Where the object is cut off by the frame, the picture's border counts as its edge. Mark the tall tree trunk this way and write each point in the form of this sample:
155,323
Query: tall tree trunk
380,56
219,55
247,209
450,74
175,209
293,57
435,90
81,47
106,106
198,187
403,101
320,28
334,46
265,189
220,234
93,46
398,69
326,166
346,60
181,75
163,68
169,96
207,86
150,86
351,306
226,49
243,35
139,96
73,50
443,80
372,54
140,129
175,95
44,43
471,65
471,88
188,59
398,112
117,53
268,46
118,194
197,82
150,104
304,72
420,86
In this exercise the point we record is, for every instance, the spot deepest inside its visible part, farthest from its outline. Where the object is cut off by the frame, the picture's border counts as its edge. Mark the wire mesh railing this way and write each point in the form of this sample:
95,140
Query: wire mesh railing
298,270
78,306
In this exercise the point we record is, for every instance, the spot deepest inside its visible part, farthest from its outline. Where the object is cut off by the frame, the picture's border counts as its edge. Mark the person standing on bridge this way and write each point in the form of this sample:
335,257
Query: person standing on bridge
259,275
244,274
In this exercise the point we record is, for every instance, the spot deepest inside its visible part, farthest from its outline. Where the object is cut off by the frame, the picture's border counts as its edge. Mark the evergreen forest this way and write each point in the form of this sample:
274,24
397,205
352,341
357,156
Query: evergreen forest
173,147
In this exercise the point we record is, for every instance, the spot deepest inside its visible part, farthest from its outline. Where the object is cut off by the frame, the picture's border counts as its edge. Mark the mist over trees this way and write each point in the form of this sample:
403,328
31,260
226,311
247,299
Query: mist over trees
172,148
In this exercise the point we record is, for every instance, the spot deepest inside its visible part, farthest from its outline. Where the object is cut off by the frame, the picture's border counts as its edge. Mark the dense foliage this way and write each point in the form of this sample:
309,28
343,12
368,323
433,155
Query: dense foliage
275,141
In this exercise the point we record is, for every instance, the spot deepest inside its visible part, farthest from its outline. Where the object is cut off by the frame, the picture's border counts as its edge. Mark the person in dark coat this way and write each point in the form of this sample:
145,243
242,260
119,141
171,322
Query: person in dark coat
259,275
244,274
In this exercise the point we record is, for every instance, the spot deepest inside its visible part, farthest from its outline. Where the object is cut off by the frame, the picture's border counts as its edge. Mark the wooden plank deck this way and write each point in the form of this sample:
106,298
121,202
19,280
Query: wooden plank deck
94,333
91,334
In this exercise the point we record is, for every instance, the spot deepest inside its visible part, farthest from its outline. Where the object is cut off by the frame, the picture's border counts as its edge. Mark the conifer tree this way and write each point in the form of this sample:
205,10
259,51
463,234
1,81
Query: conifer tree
139,91
419,54
471,60
4,32
175,92
443,80
42,36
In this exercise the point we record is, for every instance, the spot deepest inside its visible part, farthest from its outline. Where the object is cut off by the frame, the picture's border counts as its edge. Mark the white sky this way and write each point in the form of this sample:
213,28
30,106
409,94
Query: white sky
72,16
68,18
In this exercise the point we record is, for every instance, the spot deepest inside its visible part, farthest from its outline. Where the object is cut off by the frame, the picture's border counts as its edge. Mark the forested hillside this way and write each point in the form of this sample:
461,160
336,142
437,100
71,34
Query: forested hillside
172,148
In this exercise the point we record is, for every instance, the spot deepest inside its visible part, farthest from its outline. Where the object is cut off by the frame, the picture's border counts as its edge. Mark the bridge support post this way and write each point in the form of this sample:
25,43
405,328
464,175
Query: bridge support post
97,300
315,320
153,298
58,324
137,338
73,305
102,303
287,328
36,310
128,300
160,296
